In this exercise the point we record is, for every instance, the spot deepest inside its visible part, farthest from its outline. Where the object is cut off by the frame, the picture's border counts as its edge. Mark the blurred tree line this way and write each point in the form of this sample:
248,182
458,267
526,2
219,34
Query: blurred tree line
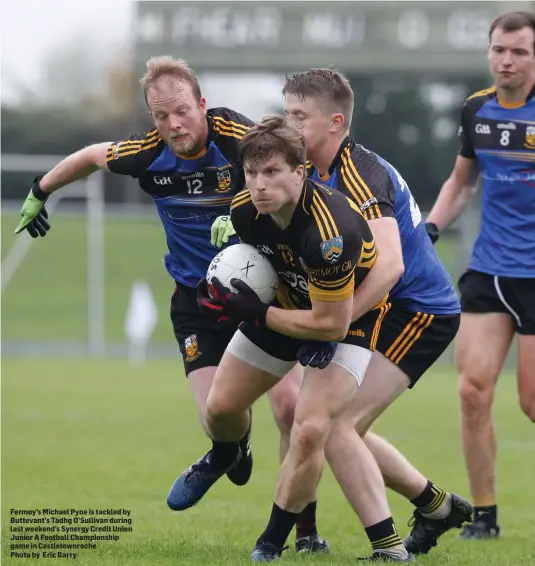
73,117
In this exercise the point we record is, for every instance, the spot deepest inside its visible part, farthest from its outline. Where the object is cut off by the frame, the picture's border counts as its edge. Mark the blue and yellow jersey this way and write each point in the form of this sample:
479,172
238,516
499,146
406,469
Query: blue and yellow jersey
323,255
189,192
502,140
380,191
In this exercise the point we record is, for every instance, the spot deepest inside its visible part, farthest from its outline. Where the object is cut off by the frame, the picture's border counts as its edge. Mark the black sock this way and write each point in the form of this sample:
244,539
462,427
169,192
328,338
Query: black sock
431,498
279,527
306,522
488,514
383,535
224,454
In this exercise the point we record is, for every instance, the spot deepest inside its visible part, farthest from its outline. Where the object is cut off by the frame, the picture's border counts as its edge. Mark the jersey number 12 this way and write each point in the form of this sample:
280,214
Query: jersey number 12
194,187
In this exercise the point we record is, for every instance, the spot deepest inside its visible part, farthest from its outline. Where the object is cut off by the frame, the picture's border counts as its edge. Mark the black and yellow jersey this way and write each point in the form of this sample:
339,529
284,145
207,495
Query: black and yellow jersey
356,172
379,191
189,192
324,253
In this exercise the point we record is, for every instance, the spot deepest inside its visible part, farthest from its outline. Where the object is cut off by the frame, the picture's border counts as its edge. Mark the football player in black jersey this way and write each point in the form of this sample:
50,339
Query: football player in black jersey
321,246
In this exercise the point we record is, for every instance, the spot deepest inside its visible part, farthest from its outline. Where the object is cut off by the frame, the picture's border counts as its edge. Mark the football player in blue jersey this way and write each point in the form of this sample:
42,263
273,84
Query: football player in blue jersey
497,135
188,163
418,321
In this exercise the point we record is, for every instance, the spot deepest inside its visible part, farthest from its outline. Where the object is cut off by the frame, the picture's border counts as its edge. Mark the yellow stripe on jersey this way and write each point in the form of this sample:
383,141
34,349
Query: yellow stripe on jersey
228,134
230,123
130,147
337,283
242,193
354,206
229,128
319,294
355,189
325,213
319,223
351,184
205,201
518,155
483,92
368,255
137,150
373,211
243,197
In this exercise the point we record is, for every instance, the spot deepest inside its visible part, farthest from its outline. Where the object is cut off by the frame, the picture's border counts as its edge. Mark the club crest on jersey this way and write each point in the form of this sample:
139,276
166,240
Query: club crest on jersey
530,137
332,249
192,348
224,181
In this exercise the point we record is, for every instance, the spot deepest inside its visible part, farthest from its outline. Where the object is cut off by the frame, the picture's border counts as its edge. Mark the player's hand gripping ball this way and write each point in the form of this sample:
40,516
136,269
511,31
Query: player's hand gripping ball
231,306
239,285
246,263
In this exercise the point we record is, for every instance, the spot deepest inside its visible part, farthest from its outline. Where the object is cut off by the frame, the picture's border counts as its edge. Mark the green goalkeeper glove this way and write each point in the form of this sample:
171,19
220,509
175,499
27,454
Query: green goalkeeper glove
33,212
222,231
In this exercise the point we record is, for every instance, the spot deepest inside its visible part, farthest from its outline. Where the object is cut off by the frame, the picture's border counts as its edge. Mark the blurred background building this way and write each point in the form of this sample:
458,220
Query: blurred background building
411,65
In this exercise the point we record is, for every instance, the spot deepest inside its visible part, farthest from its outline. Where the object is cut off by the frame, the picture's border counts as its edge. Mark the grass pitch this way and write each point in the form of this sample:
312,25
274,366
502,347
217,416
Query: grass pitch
102,435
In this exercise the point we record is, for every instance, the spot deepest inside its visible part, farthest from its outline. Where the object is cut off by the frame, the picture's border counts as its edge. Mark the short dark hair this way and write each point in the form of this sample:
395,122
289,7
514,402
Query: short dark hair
513,21
331,85
273,136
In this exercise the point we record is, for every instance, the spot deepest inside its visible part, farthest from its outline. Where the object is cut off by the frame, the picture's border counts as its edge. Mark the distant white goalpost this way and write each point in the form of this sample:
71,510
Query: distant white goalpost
92,190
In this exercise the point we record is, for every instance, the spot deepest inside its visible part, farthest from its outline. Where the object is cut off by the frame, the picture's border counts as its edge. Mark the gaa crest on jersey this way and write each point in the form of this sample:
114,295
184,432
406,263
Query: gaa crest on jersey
530,137
332,249
224,181
192,348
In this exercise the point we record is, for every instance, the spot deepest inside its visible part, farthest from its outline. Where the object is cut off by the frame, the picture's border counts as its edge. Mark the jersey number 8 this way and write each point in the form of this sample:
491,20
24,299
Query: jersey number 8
504,137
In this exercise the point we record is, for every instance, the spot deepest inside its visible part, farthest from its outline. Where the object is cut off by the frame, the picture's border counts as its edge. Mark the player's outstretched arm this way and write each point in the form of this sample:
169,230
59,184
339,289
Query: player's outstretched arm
76,166
455,193
34,216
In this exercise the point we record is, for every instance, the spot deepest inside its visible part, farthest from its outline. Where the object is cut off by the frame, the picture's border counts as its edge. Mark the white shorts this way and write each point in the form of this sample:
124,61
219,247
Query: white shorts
354,359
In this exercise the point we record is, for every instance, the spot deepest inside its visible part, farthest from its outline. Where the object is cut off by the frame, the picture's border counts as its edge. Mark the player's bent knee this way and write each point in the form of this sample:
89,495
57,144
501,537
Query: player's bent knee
475,394
283,399
219,406
309,436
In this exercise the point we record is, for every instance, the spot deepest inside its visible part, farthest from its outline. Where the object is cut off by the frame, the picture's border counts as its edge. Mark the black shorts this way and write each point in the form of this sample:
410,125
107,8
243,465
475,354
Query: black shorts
483,293
412,340
202,341
361,333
